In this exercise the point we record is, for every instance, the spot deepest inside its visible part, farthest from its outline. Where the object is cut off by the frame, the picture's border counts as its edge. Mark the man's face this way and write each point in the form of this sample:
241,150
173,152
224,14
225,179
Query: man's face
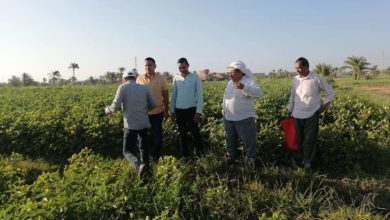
301,70
183,68
235,75
149,67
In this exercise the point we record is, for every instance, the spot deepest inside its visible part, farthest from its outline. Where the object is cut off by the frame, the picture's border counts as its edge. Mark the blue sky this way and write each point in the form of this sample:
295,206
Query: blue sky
39,36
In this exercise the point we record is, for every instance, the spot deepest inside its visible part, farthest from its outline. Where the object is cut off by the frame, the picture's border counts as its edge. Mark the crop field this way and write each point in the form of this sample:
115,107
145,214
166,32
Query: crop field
61,158
376,90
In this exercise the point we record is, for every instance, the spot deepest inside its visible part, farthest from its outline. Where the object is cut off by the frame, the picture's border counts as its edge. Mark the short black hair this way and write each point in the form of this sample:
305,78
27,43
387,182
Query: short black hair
303,61
150,59
183,60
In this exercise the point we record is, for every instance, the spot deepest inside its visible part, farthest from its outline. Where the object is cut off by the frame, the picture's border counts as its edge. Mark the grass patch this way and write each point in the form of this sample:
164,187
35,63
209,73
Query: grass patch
375,90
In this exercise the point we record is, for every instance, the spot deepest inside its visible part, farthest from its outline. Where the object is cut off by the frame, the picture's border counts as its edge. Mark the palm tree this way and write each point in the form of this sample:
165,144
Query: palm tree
335,71
374,70
357,64
54,76
73,66
121,70
110,77
324,69
27,80
15,81
120,73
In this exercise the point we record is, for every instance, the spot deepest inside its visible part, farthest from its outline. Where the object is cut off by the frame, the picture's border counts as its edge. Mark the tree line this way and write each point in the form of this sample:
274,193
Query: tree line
357,66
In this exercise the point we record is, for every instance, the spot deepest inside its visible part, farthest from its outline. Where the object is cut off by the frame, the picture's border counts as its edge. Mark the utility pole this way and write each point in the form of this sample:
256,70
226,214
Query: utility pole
135,66
383,61
135,62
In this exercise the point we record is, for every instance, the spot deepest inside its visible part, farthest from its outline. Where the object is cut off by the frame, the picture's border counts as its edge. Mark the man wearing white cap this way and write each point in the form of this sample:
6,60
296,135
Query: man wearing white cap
239,111
135,100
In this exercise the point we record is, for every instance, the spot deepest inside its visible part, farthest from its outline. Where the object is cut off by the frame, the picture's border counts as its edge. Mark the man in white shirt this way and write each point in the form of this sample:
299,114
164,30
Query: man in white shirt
239,111
305,105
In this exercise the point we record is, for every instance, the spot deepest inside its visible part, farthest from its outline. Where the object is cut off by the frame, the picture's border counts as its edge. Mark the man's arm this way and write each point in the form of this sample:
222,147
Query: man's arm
151,101
323,84
199,93
165,97
173,96
199,104
291,100
166,103
252,89
116,103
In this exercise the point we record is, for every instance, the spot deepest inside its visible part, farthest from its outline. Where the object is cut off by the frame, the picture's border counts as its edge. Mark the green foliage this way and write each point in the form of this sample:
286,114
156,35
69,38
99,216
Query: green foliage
356,64
323,69
55,123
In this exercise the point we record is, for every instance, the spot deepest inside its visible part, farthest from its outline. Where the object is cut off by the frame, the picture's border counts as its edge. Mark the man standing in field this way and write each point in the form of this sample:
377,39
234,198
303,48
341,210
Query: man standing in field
135,100
186,107
305,105
239,112
158,85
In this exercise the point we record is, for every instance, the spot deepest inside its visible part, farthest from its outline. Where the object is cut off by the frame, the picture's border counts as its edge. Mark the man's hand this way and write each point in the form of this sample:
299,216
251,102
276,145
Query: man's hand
197,118
238,85
173,117
324,107
107,110
166,115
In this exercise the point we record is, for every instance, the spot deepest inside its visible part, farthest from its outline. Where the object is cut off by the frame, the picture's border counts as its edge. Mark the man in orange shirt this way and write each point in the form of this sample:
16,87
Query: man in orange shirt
158,85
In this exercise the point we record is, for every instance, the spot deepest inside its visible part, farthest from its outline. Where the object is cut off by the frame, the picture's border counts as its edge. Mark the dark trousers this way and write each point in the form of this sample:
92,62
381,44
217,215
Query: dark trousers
185,122
156,121
244,129
130,151
307,135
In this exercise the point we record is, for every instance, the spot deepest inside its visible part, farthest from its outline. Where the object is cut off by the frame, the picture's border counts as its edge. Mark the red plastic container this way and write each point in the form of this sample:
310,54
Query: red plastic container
289,134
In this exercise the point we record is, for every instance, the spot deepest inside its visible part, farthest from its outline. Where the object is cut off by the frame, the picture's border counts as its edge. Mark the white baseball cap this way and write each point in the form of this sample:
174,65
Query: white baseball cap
128,74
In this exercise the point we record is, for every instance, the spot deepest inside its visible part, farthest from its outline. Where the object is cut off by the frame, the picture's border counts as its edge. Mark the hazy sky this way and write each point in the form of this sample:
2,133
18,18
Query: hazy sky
39,36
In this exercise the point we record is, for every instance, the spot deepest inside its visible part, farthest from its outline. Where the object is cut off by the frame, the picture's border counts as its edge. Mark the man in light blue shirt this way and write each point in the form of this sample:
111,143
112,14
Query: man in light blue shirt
186,106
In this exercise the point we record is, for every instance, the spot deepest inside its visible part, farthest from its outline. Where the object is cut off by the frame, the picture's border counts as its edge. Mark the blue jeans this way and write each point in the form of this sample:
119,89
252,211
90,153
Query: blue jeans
244,129
156,121
130,151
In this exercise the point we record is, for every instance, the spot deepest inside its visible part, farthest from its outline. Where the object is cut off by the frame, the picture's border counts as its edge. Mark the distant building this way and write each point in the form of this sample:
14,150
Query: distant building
258,75
205,75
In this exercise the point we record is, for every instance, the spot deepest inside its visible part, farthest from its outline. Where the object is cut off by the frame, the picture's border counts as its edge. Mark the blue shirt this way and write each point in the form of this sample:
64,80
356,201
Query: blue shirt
187,92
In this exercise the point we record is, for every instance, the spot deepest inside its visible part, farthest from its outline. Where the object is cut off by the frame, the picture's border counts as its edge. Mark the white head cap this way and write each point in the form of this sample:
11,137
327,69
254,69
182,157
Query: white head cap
239,65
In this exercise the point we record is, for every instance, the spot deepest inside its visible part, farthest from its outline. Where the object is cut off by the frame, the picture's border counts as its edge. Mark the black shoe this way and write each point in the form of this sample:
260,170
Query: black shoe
231,161
307,170
183,159
142,169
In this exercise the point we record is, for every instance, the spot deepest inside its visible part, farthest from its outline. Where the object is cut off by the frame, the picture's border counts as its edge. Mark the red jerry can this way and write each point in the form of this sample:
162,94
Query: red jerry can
289,133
